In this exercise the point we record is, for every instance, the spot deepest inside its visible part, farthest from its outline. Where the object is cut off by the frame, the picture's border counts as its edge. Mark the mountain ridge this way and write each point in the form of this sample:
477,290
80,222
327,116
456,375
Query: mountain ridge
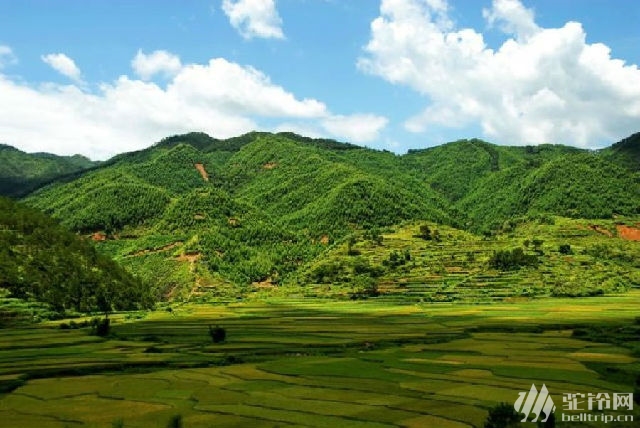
274,203
22,172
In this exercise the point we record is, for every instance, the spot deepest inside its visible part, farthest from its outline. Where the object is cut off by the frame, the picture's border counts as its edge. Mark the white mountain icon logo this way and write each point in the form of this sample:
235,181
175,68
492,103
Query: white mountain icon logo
535,402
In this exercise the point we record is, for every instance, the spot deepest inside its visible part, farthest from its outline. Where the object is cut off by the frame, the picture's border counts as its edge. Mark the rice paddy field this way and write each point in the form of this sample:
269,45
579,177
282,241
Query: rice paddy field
314,363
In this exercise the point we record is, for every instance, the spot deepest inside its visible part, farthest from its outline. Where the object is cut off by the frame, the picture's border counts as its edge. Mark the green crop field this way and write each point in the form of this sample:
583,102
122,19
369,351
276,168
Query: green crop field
289,362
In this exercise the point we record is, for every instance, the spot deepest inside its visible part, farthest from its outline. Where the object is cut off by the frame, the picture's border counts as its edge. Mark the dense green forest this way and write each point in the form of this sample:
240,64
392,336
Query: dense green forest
41,261
197,216
21,173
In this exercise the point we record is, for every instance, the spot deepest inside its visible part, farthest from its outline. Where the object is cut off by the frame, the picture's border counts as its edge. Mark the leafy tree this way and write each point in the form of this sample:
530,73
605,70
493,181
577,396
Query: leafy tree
175,422
101,327
350,250
503,416
218,334
512,260
425,232
565,249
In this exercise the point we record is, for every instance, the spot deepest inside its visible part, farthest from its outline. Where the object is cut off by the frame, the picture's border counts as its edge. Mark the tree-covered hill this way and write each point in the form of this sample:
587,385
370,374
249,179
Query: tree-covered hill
196,215
21,173
576,185
625,152
328,191
41,261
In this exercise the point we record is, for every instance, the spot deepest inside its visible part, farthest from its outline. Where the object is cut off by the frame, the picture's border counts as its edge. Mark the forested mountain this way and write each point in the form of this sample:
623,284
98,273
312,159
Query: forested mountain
21,173
193,214
41,261
625,152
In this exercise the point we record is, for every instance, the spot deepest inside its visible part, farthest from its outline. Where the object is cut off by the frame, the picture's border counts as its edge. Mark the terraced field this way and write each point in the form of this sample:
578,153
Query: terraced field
455,266
312,363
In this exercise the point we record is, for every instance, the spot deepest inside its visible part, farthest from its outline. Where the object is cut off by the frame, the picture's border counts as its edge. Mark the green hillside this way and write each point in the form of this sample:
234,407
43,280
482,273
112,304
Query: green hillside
560,257
45,269
21,173
625,152
577,185
327,191
204,218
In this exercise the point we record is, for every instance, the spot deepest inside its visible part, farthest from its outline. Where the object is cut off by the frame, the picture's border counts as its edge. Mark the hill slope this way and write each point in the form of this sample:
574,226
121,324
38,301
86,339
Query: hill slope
21,173
625,152
198,216
41,261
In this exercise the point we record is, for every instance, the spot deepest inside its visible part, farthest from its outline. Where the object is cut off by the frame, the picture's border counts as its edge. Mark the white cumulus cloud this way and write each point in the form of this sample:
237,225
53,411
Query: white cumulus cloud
356,128
254,18
63,65
158,62
541,85
512,17
219,97
6,56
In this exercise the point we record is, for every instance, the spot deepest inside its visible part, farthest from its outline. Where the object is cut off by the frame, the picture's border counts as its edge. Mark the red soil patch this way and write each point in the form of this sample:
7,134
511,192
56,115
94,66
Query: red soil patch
202,171
600,230
268,283
629,233
188,257
99,236
270,165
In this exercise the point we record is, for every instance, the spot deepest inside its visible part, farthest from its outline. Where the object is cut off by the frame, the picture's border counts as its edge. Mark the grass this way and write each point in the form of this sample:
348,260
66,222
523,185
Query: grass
313,363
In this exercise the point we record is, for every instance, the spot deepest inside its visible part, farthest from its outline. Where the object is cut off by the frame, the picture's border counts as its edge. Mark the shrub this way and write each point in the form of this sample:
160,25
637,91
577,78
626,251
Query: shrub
218,334
100,327
565,249
502,416
397,259
350,250
425,232
175,422
512,260
364,287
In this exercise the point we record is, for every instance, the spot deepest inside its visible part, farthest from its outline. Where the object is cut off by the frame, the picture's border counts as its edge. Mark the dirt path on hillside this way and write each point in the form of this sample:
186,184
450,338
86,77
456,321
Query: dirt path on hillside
154,250
601,230
203,172
192,259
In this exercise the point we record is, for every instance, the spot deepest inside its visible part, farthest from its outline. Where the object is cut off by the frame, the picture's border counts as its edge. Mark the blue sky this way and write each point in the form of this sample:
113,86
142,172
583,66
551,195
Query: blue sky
104,76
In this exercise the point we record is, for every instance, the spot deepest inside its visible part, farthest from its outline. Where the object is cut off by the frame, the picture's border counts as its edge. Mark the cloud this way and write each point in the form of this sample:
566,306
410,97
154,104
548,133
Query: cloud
6,56
63,65
357,128
158,62
541,85
512,17
220,97
240,90
254,18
